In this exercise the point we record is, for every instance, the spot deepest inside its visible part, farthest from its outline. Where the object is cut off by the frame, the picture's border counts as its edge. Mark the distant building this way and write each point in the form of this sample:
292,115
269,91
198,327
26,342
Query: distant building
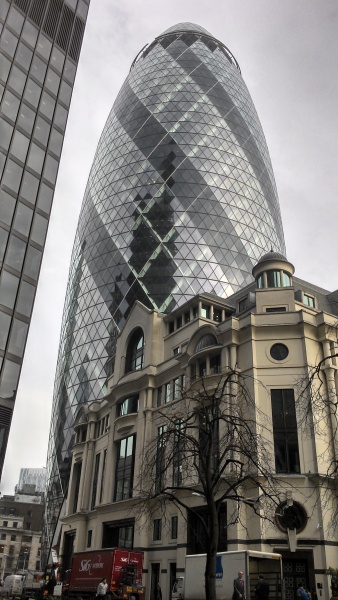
272,331
40,46
21,519
32,477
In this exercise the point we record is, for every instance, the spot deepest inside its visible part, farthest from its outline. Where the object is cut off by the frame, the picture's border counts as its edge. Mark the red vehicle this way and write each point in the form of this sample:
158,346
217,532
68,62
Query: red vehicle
122,568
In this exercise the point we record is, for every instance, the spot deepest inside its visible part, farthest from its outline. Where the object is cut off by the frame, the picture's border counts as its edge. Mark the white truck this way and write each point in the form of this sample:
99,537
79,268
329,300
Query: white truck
252,563
20,586
12,587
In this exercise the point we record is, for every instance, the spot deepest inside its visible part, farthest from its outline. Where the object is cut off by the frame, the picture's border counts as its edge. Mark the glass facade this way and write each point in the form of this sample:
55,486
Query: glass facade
181,199
40,43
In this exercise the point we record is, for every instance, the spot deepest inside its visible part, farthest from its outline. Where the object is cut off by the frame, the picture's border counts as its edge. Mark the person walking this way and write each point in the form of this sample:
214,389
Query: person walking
158,592
239,591
102,589
301,593
262,589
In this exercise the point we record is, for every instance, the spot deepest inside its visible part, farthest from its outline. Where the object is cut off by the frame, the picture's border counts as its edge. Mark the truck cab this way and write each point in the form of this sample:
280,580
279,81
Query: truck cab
13,586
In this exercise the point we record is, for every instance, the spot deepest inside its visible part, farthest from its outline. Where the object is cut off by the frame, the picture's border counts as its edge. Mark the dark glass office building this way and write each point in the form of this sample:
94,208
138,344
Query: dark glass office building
40,44
181,199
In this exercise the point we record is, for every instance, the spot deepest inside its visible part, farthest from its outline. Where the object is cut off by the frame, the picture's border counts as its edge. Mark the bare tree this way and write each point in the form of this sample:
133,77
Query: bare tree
212,442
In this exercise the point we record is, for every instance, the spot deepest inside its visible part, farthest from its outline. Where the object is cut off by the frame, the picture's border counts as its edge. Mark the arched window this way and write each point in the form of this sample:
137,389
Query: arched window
206,341
135,351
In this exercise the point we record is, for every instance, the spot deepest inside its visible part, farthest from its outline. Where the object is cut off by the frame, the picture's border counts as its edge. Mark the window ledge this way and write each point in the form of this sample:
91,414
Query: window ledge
125,422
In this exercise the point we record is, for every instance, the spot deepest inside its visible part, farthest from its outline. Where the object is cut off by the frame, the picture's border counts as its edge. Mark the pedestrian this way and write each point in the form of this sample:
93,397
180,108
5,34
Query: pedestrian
51,583
239,592
102,589
301,593
158,592
262,589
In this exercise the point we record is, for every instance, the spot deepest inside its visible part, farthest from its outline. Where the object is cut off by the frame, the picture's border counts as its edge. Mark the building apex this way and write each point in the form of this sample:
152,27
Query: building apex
272,256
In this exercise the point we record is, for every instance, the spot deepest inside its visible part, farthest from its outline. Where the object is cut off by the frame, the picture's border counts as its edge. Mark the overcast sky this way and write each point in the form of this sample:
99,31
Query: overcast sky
288,54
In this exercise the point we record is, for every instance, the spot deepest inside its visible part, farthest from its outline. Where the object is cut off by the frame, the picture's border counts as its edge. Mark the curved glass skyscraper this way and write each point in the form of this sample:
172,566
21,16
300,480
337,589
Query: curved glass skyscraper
180,199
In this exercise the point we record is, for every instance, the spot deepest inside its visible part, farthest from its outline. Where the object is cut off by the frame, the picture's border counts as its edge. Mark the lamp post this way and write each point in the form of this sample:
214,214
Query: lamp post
3,566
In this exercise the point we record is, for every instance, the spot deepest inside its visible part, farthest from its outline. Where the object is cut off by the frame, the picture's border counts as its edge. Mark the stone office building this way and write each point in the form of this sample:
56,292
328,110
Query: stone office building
21,518
271,331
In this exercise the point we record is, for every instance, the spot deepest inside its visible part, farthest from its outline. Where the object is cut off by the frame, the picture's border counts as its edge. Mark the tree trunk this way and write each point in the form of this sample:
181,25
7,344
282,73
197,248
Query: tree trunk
212,547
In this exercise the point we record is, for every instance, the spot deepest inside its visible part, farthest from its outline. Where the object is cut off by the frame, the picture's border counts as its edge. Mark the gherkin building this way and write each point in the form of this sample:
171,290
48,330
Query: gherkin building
181,199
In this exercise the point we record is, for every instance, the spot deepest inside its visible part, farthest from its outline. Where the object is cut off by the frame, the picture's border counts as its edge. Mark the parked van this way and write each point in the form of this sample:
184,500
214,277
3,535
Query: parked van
13,586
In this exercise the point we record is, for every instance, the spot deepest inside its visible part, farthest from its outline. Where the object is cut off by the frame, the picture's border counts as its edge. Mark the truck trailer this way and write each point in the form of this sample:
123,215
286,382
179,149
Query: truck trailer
228,564
121,567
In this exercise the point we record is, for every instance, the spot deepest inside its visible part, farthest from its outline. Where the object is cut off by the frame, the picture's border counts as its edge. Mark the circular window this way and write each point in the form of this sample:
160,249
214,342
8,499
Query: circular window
291,517
279,352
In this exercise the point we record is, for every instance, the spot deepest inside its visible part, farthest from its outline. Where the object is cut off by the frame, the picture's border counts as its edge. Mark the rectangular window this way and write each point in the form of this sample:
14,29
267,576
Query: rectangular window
125,468
174,527
77,477
202,368
187,317
157,530
196,535
103,474
176,351
285,431
167,388
171,326
205,311
276,309
89,538
309,300
179,322
243,304
217,315
159,396
5,524
209,435
273,279
95,478
215,364
176,388
119,534
128,406
15,524
178,450
160,458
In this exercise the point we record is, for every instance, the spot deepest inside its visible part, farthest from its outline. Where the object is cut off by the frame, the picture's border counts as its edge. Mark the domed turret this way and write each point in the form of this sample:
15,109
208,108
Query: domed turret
273,270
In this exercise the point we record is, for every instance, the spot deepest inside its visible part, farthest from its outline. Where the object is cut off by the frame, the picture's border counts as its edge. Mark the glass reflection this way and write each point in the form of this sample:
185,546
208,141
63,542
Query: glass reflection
9,286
